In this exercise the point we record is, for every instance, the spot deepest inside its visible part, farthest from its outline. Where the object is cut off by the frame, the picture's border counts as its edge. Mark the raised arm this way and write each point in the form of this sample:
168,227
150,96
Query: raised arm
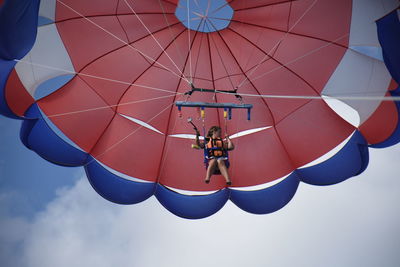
198,142
228,144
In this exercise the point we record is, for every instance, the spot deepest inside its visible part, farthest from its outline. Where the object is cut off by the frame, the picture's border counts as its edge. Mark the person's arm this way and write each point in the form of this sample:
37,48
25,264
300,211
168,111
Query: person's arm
198,142
229,144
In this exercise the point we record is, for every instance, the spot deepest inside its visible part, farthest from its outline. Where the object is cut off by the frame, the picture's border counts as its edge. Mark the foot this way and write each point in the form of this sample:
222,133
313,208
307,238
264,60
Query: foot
229,183
207,181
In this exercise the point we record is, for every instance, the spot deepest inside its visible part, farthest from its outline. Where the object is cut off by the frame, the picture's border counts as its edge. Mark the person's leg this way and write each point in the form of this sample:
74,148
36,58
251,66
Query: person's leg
212,164
224,171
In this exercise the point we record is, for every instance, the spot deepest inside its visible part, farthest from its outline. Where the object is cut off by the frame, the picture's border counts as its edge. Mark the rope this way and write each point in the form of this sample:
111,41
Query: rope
343,97
170,30
277,44
189,42
164,51
295,60
127,136
220,57
108,106
92,76
119,39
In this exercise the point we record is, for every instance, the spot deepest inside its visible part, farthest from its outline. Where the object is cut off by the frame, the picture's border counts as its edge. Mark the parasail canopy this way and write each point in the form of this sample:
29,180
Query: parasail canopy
96,82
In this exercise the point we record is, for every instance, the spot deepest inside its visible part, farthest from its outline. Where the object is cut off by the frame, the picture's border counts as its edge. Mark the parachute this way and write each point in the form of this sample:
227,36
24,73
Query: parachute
95,83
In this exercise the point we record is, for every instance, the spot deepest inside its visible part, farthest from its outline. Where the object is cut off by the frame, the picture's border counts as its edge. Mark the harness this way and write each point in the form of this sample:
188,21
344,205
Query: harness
215,148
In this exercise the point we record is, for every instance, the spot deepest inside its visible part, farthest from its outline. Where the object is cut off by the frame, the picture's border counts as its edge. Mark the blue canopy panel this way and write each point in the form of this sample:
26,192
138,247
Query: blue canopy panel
6,67
395,137
226,106
269,199
389,38
191,207
350,161
38,136
18,27
117,189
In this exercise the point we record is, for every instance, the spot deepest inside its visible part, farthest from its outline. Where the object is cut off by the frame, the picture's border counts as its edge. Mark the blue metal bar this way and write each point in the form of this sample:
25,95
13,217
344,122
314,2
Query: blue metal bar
212,105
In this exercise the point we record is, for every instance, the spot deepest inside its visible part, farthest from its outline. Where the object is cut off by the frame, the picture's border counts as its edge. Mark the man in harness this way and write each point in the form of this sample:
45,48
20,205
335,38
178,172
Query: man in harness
216,152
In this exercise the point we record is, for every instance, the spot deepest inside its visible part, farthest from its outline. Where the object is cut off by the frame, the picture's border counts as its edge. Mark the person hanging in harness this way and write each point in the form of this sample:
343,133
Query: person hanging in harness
216,149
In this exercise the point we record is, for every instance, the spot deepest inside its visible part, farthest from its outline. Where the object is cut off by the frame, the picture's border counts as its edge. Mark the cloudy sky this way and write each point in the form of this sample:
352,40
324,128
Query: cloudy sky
50,216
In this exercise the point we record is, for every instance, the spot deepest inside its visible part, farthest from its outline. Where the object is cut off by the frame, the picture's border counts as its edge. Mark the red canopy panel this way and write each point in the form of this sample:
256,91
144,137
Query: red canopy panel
382,123
311,131
130,149
17,97
79,112
91,42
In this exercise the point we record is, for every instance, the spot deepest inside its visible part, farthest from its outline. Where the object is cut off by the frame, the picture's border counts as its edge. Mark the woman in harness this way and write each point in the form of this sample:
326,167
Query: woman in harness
217,152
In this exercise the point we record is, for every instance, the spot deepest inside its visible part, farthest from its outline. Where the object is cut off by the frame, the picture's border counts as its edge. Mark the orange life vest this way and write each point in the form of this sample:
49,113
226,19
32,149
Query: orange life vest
215,147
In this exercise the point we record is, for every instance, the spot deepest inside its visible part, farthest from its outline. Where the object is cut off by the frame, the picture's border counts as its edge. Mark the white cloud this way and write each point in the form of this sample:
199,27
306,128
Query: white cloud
354,223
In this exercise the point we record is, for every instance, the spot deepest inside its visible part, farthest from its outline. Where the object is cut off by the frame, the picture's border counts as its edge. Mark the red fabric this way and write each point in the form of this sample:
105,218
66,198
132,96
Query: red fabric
382,123
393,85
91,42
64,107
311,131
17,98
300,130
139,148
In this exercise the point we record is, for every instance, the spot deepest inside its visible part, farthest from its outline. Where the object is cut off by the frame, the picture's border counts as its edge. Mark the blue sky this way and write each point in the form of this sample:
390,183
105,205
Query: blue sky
29,181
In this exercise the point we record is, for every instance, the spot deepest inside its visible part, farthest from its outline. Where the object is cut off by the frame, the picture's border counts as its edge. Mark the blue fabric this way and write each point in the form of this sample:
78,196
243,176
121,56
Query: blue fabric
6,67
395,137
269,199
18,27
351,160
389,38
115,188
38,136
191,207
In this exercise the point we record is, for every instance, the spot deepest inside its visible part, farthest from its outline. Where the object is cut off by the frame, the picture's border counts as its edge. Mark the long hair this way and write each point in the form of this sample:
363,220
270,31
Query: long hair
212,130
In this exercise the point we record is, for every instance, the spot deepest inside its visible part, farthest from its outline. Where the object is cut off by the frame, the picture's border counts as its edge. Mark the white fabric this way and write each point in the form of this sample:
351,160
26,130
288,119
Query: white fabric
122,175
364,14
262,186
142,123
47,9
359,75
343,110
47,59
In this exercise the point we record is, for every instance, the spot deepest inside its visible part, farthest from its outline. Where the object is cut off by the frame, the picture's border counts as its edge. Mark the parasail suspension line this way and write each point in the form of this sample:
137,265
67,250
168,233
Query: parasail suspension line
278,43
219,55
119,39
130,134
95,76
292,61
155,39
189,43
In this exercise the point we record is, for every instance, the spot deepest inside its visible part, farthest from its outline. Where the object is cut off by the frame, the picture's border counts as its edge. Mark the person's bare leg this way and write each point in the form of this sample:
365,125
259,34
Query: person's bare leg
224,171
212,164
